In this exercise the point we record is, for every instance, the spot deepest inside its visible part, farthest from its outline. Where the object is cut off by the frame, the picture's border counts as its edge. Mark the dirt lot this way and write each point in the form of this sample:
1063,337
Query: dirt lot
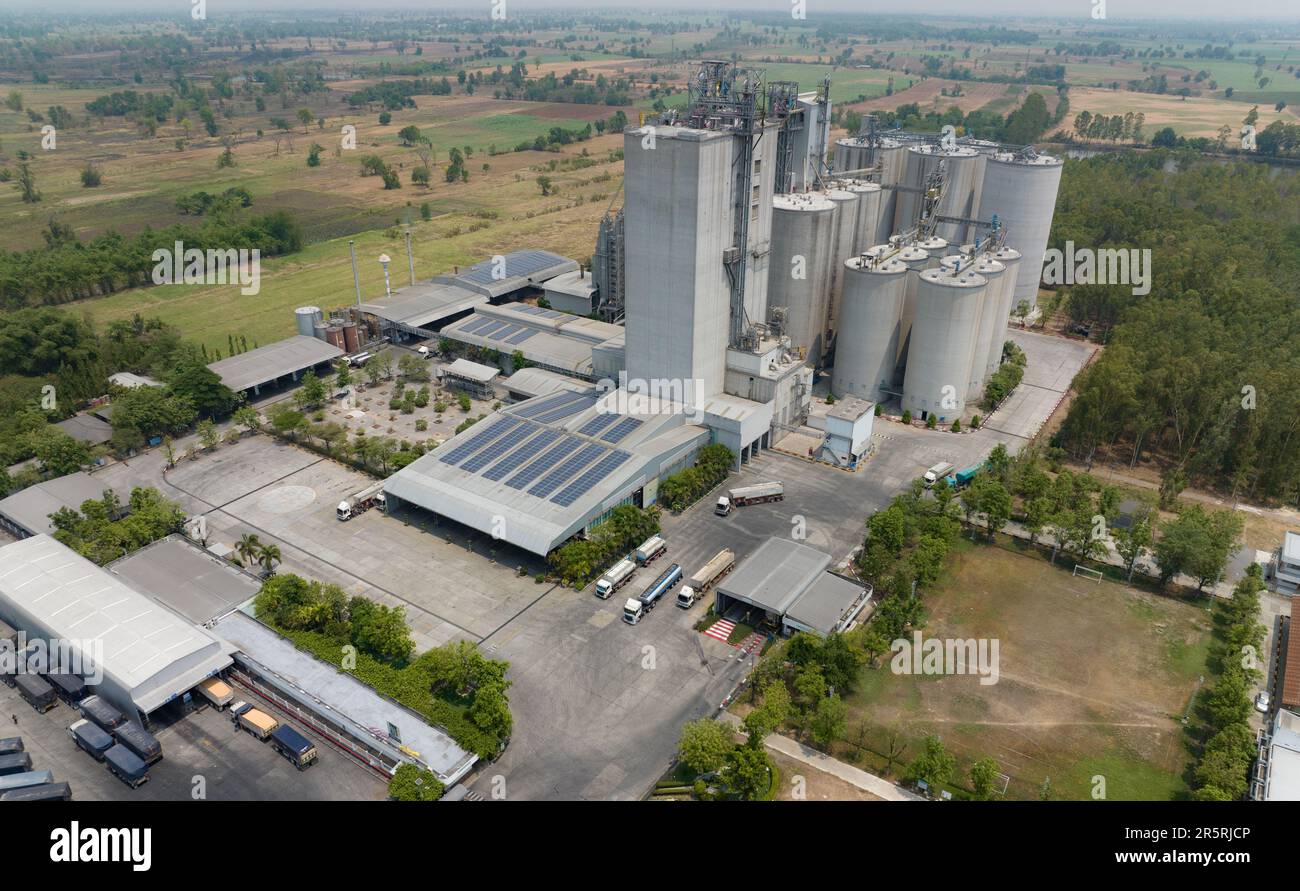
1093,680
817,785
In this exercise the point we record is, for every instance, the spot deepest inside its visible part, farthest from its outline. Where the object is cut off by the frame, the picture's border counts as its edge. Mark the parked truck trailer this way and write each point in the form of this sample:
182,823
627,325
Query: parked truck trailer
636,607
43,792
258,723
616,578
124,765
361,502
650,550
25,780
759,493
293,746
101,711
91,739
217,692
141,742
38,693
696,586
19,762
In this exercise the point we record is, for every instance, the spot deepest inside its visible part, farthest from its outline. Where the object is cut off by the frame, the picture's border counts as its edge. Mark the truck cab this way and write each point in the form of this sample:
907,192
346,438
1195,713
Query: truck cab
633,610
723,507
686,597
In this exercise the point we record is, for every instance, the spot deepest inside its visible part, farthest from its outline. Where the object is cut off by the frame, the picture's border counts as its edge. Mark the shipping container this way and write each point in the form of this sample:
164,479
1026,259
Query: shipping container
102,712
141,742
91,738
43,792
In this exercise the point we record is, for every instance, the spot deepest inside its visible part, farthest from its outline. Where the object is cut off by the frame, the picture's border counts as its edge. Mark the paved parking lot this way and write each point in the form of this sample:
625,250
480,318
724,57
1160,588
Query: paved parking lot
202,749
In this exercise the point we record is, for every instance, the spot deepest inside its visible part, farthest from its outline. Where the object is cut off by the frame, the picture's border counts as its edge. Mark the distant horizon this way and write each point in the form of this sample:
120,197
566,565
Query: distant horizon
1118,12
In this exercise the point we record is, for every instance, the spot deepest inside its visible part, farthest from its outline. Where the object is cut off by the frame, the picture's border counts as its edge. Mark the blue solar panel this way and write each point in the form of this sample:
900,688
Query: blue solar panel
477,323
566,469
597,424
499,448
582,403
550,403
582,485
543,464
487,330
621,429
528,450
479,439
503,333
522,336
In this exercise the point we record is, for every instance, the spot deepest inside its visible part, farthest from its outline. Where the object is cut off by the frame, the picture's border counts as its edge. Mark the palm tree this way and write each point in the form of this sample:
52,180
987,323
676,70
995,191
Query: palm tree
248,548
268,557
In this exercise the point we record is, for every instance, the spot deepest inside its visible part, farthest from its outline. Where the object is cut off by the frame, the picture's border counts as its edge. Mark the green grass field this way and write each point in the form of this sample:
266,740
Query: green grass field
1094,681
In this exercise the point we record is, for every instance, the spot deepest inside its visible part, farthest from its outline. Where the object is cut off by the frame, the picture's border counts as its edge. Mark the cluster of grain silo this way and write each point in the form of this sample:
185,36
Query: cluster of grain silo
944,335
871,309
963,171
1020,190
309,319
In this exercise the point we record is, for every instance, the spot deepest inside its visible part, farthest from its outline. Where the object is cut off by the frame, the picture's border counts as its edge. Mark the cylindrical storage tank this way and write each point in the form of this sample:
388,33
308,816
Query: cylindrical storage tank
868,214
846,222
915,260
963,172
319,329
892,158
351,339
866,347
306,318
1011,259
334,336
1021,193
989,322
938,363
936,247
799,275
850,154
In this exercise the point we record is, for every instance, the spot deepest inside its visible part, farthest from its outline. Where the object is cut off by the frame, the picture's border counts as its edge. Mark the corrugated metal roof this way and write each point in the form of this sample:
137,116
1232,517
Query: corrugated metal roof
265,364
425,303
154,654
31,508
823,606
472,370
776,574
1291,670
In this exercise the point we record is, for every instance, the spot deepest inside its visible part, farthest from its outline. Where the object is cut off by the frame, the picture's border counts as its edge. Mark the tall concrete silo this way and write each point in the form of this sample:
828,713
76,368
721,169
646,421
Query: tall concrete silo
915,259
1020,189
866,345
850,154
799,275
988,322
1012,260
943,340
891,155
963,170
869,195
307,317
846,231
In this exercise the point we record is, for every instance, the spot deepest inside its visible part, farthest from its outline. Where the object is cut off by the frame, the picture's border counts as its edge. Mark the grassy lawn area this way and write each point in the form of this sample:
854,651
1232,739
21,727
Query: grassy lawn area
1094,680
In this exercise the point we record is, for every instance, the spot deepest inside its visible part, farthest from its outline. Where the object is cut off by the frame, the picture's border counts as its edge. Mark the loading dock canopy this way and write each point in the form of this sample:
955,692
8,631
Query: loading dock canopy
273,361
30,509
148,653
791,581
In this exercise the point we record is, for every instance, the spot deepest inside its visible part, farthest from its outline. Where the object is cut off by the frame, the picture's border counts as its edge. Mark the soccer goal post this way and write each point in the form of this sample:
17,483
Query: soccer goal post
1094,574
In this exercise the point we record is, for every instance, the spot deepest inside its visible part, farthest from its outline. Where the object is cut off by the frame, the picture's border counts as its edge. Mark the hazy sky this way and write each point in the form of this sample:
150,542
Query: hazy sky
1242,12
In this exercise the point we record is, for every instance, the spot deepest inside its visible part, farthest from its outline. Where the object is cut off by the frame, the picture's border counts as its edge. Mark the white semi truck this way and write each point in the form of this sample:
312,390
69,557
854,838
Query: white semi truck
616,578
360,502
758,493
936,473
636,607
699,584
650,549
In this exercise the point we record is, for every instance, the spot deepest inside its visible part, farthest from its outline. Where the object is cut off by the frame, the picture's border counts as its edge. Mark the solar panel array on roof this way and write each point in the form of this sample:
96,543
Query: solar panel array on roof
474,443
560,412
549,404
487,330
597,424
500,447
597,472
503,333
522,336
621,429
477,323
515,459
517,264
526,476
566,469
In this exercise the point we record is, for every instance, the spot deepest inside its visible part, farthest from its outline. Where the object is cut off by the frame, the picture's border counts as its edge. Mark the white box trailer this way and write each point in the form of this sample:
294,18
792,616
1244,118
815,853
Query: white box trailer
616,578
698,584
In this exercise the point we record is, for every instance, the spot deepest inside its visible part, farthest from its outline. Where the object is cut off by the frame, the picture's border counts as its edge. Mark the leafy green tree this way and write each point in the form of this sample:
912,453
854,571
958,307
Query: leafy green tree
828,722
202,387
413,783
704,745
984,774
381,631
749,773
934,764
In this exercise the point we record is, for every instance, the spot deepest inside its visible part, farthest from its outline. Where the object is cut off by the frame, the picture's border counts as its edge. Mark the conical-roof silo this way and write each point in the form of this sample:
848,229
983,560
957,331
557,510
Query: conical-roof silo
799,275
1021,191
866,345
943,340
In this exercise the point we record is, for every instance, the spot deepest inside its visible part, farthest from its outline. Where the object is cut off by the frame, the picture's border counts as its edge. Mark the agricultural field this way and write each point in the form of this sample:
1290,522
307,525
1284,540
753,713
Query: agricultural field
1094,680
1193,116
